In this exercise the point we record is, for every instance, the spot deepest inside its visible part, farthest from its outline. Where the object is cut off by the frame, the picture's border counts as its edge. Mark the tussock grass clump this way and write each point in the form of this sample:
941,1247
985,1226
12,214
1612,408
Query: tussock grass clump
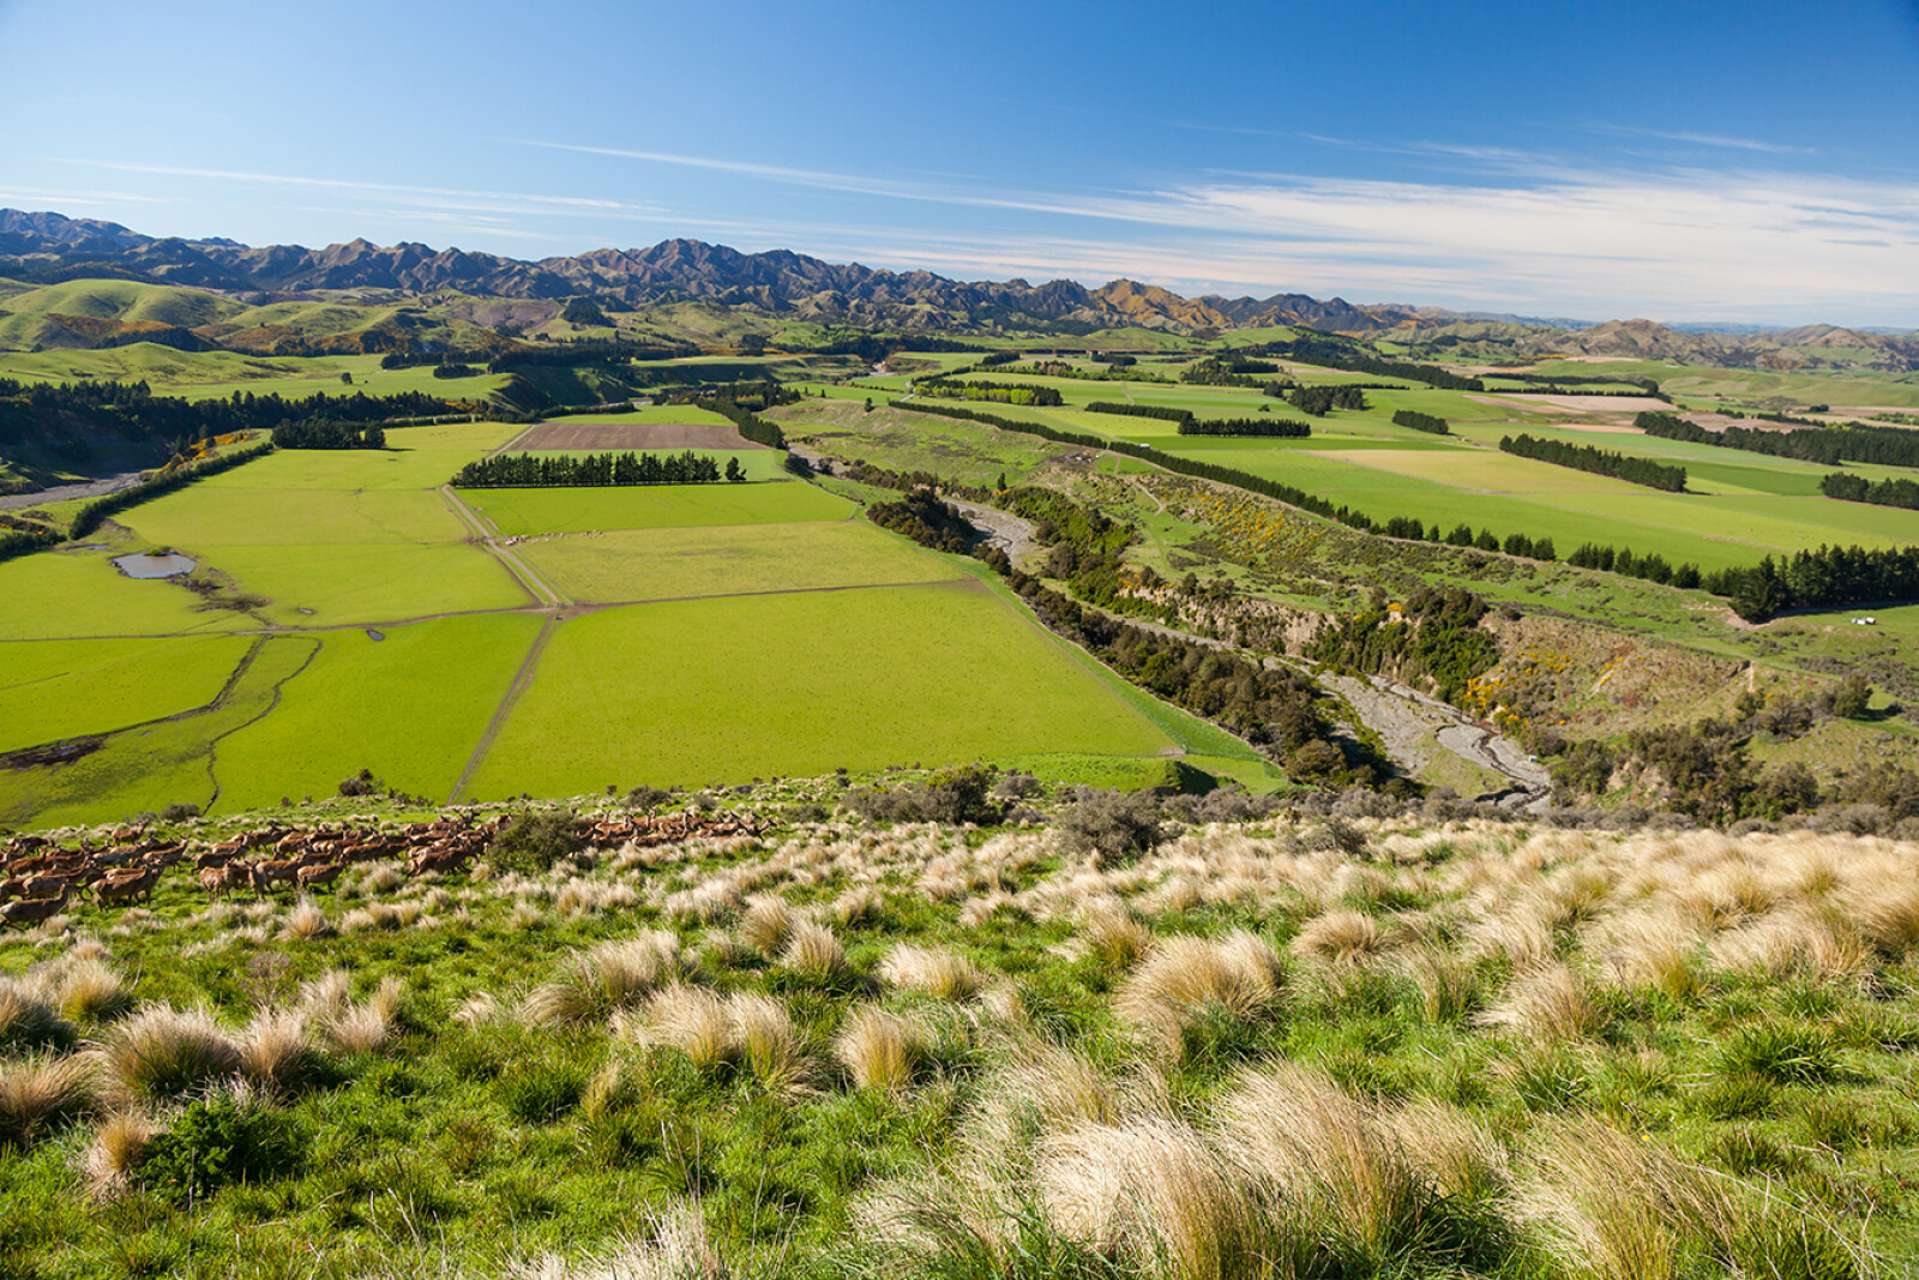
160,1053
28,1019
813,953
689,1019
307,921
1183,977
770,1045
879,1049
1339,937
88,989
1547,1005
593,984
38,1092
1329,1157
1611,1206
1152,1193
277,1052
931,971
113,1158
673,1246
1112,933
765,923
366,1027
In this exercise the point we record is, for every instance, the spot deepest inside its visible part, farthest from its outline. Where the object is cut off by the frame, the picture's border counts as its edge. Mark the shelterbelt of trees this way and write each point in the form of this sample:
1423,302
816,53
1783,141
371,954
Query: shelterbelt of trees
547,471
325,433
1857,442
1428,422
1604,462
994,392
1884,493
132,409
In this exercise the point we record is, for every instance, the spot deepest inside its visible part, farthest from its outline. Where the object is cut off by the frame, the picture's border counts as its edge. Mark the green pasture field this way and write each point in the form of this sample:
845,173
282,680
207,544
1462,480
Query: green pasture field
216,375
1751,386
1746,505
76,592
147,769
56,689
569,510
955,450
802,683
410,707
337,536
670,563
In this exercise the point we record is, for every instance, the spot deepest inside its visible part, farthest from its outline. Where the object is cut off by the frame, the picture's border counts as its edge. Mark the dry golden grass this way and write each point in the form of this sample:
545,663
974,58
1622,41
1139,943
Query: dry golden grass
812,952
114,1155
930,971
37,1092
1546,1005
770,1044
593,984
672,1246
88,989
1112,933
878,1049
277,1051
1184,975
27,1016
161,1053
1339,937
765,923
1153,1193
306,921
691,1020
1328,1155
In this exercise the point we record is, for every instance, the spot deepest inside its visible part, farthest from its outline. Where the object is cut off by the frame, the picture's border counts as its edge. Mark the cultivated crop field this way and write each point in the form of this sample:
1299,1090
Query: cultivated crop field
1189,1043
347,611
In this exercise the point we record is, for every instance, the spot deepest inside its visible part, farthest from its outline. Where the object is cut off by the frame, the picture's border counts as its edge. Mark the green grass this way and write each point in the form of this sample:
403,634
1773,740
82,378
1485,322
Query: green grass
79,593
210,375
795,684
54,689
531,511
1780,1101
410,707
145,770
667,563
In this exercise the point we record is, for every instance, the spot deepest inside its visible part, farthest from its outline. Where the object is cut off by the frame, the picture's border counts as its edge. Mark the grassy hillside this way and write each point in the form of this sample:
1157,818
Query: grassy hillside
33,317
1191,1042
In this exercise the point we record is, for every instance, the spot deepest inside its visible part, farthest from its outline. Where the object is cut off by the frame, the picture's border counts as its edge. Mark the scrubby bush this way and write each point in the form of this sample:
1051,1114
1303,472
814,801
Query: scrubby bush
1115,827
218,1141
532,842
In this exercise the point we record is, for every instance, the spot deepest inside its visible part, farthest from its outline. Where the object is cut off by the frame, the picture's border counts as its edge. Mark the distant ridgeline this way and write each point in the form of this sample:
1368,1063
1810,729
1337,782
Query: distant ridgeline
1808,441
598,470
1604,462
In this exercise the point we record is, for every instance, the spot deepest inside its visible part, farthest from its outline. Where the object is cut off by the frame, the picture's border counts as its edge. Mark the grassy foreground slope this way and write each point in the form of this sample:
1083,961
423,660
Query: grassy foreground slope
1269,1046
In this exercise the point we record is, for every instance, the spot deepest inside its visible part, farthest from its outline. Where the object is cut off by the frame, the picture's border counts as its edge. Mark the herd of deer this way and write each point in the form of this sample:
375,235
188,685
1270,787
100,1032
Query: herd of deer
38,874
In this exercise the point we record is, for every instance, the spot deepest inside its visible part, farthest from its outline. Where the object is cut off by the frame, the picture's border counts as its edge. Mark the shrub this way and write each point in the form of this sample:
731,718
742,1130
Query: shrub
1115,827
532,842
215,1142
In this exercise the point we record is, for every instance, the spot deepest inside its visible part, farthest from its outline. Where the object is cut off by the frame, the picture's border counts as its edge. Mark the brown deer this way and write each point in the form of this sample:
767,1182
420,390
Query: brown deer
262,876
222,880
31,910
127,887
323,873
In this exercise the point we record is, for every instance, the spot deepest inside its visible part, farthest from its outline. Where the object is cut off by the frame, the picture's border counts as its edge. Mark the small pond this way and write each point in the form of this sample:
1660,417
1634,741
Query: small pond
171,565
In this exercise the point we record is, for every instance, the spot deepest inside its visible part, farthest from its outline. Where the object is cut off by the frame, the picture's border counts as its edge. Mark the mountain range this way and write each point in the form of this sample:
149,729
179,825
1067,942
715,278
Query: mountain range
50,247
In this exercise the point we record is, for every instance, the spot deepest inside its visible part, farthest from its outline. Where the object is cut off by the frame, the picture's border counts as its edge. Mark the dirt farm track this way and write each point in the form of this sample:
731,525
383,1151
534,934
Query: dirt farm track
623,436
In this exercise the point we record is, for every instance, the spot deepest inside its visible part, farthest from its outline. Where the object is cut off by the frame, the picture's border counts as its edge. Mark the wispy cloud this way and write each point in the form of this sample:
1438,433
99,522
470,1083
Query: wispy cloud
1722,141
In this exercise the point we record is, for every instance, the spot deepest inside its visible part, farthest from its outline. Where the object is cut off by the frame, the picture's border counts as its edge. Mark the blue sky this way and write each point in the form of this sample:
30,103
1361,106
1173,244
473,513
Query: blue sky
1684,161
